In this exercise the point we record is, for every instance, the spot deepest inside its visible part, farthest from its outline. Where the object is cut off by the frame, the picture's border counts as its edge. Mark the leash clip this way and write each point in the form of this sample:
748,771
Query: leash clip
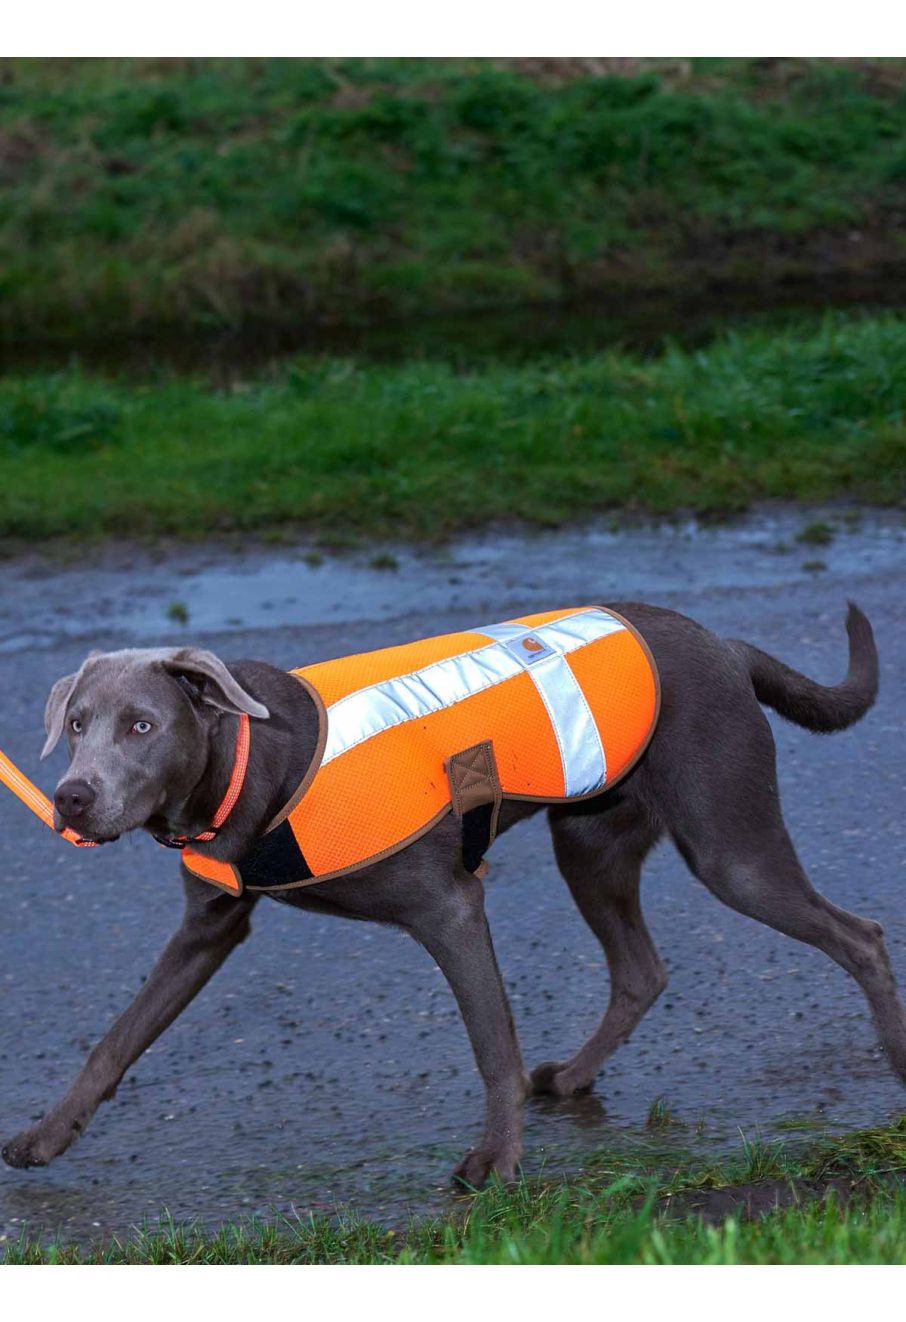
181,841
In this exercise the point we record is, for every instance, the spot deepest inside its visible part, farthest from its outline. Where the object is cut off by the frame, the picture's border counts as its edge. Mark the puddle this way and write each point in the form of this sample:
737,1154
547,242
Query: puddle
641,324
133,596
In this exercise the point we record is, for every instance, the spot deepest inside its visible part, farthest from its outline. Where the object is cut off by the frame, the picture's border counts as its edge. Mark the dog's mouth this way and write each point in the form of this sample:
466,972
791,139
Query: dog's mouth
91,836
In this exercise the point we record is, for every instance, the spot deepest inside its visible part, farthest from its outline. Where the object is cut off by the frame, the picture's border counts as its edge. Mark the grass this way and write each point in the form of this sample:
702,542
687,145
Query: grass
818,533
659,1114
171,193
620,1212
421,450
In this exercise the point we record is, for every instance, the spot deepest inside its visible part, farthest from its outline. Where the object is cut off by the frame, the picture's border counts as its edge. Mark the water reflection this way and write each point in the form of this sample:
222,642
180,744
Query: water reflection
642,324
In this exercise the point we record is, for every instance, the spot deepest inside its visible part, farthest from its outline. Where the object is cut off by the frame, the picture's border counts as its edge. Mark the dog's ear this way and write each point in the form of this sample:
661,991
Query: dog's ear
211,681
56,710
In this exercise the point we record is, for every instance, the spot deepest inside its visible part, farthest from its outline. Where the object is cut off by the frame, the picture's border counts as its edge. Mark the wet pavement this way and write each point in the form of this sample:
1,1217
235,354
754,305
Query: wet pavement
326,1063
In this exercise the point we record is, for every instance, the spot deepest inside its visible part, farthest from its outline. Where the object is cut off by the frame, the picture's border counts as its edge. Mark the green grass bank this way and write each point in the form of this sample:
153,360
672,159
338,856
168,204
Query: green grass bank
144,194
632,1208
422,451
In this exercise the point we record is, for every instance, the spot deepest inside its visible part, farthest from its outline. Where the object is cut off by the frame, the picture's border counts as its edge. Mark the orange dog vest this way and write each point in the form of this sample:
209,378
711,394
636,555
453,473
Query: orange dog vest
548,708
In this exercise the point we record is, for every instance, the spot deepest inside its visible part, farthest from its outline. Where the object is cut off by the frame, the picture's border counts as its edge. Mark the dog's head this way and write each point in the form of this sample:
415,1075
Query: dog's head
139,725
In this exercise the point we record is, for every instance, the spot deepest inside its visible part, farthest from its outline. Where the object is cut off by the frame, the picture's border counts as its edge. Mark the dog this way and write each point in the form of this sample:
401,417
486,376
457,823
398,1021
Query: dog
152,737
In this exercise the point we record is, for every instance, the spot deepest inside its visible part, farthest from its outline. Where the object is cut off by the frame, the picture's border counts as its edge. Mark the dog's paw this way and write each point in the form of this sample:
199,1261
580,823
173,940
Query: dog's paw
553,1078
25,1150
480,1164
37,1146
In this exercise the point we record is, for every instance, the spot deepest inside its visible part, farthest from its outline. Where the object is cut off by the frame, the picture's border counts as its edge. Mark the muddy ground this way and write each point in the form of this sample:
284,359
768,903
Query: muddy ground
326,1063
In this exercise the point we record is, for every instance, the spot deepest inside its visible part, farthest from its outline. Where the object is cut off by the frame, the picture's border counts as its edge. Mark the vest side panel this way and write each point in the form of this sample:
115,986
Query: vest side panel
382,792
378,793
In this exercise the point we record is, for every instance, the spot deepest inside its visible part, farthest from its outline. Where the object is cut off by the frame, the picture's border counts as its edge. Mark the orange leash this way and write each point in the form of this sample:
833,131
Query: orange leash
33,798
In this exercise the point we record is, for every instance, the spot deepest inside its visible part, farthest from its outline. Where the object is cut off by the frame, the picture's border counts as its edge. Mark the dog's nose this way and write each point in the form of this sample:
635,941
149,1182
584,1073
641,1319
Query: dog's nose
73,798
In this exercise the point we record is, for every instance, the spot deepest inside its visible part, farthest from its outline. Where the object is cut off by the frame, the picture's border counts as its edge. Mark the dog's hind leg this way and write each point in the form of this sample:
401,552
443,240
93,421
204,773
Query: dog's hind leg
600,854
766,881
213,925
731,832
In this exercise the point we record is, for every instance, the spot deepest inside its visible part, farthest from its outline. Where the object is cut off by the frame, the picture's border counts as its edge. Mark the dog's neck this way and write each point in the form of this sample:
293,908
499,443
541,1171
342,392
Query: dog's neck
280,751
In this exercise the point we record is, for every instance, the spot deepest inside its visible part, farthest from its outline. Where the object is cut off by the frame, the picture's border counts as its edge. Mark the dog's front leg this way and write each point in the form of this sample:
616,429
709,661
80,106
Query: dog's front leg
454,930
212,926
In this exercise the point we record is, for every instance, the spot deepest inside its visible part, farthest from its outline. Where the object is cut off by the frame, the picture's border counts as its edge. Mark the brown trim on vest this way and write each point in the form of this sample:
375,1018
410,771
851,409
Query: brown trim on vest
314,765
655,672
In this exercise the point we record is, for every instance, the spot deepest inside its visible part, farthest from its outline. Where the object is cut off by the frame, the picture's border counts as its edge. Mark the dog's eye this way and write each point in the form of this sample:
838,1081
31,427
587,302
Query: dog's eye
141,727
76,725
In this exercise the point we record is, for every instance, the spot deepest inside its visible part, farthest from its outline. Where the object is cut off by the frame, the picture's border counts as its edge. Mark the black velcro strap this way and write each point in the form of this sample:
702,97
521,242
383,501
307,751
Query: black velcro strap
475,795
477,833
274,860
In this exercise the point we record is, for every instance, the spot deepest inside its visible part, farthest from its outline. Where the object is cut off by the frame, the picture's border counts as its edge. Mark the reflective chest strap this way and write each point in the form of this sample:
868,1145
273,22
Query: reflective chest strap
542,654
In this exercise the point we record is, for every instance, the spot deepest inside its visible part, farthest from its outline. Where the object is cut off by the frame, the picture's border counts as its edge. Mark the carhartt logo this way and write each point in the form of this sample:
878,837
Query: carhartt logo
529,649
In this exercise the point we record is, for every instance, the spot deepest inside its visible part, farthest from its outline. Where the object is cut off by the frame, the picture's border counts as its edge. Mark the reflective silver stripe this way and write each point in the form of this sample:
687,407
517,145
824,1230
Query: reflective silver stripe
367,712
581,751
503,632
576,630
563,635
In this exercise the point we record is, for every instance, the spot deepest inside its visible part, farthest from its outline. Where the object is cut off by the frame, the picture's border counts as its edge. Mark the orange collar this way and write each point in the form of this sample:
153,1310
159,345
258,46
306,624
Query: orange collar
228,802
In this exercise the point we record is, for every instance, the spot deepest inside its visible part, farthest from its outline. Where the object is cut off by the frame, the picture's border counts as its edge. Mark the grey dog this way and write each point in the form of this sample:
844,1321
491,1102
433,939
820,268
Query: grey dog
151,736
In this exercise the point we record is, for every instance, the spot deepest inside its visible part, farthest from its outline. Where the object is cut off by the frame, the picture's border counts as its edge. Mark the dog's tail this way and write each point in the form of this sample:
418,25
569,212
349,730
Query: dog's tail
819,707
